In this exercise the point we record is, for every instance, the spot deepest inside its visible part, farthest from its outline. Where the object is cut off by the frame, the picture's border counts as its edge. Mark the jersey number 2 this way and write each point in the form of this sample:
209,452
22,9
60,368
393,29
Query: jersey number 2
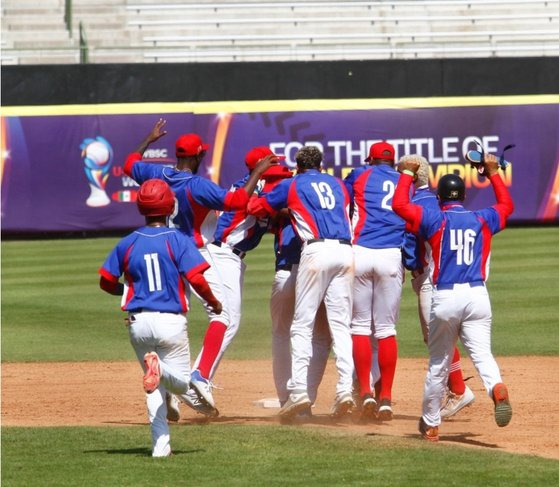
153,271
325,195
389,188
463,242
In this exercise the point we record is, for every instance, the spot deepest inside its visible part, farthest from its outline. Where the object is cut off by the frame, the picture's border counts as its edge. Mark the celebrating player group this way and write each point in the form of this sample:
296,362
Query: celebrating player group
341,251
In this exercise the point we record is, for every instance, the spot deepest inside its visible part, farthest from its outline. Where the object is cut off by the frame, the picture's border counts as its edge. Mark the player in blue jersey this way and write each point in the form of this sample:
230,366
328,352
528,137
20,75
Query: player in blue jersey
318,207
378,236
460,242
237,233
416,260
197,197
157,261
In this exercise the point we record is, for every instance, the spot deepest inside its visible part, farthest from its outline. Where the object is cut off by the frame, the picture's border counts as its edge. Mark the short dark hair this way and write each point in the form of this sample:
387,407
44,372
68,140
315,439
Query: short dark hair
308,157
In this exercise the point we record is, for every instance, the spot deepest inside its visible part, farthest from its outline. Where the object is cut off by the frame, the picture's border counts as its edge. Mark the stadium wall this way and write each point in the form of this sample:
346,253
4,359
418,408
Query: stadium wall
66,130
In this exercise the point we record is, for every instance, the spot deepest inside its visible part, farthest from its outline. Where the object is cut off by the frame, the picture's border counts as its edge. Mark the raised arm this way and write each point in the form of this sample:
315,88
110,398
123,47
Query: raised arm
401,201
505,205
156,133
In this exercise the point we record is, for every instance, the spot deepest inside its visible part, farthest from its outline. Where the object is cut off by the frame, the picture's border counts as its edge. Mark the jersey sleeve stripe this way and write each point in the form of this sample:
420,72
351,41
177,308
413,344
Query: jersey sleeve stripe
107,275
130,161
485,248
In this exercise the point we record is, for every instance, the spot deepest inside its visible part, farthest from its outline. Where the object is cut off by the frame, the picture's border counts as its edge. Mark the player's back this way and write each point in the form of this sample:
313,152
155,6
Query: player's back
152,277
196,197
374,222
318,203
462,253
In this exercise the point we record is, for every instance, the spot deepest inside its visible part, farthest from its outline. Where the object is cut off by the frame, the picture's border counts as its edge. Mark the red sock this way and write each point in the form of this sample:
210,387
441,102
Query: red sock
362,359
212,344
455,378
387,357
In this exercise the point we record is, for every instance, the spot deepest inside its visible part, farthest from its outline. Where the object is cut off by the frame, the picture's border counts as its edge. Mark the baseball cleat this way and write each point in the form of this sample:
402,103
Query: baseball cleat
294,405
454,402
173,411
344,404
430,433
153,372
385,412
203,387
192,400
503,409
369,408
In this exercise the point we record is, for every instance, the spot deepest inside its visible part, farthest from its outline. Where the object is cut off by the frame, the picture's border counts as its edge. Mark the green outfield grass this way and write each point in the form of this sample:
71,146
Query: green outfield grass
230,455
53,309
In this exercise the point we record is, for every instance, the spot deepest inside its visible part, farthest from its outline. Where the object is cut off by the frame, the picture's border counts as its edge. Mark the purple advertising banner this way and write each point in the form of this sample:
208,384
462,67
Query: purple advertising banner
65,172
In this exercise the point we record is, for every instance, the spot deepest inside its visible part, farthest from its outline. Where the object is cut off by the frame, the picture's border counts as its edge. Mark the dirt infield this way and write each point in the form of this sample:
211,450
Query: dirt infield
101,394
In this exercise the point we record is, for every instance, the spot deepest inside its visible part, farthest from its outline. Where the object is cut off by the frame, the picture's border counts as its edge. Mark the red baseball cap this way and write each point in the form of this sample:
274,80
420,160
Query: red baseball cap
256,154
190,145
381,150
273,175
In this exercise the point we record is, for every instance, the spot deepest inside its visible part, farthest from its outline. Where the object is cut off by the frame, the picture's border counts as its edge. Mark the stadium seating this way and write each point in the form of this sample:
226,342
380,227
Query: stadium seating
201,31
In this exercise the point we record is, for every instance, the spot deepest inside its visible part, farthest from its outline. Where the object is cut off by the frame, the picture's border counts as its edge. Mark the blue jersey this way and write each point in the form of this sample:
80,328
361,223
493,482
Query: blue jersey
287,245
460,242
153,261
196,197
239,229
414,252
375,225
318,205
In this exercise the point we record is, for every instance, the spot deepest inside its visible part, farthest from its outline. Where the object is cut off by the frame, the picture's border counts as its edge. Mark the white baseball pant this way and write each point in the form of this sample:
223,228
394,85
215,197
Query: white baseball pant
325,274
215,280
231,270
166,334
282,306
463,312
377,291
423,288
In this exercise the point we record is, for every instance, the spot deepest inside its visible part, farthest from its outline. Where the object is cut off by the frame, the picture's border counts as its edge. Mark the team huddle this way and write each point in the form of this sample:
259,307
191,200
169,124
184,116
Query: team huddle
341,250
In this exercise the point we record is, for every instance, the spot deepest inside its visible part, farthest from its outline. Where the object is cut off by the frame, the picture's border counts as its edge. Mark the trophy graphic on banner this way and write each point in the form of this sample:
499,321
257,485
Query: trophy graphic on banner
97,157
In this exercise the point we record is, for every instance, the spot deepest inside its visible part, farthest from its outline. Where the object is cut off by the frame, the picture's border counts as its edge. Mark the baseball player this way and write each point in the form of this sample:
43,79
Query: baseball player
318,207
282,306
197,197
460,246
415,259
236,234
154,260
378,235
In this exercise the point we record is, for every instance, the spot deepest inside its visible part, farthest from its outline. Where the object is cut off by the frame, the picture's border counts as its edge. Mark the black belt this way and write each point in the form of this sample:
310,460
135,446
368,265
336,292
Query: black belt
236,251
444,287
340,240
285,267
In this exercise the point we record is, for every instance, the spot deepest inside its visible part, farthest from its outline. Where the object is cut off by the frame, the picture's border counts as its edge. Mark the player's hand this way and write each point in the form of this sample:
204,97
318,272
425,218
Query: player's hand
490,164
216,306
264,164
412,166
157,131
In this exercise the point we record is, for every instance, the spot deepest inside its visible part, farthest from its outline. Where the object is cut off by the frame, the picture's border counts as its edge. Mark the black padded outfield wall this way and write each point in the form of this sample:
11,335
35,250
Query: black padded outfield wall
125,83
67,130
